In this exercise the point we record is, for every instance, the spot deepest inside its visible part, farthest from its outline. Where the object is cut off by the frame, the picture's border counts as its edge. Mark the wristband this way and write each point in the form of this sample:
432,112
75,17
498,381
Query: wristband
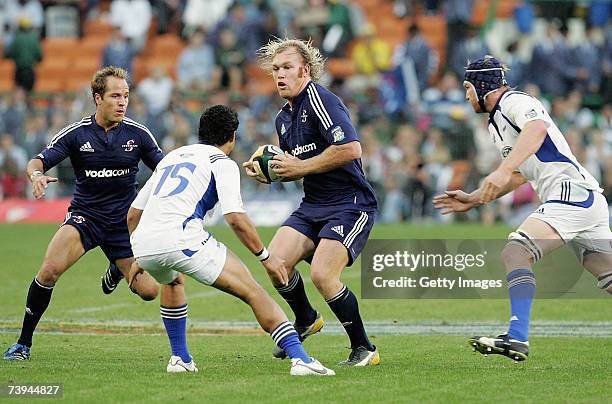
35,173
263,255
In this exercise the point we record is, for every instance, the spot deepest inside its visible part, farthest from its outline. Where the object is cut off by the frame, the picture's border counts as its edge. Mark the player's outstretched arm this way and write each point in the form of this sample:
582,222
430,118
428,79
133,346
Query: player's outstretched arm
460,201
246,233
528,143
39,180
291,167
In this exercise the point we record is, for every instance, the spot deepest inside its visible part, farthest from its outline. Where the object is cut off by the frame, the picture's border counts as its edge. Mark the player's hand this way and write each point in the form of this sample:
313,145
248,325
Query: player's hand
453,201
276,270
40,183
250,171
493,184
289,167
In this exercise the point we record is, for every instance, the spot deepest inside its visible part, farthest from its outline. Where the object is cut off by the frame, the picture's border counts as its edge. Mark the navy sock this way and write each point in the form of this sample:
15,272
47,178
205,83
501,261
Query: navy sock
521,285
285,336
295,295
175,321
37,302
345,306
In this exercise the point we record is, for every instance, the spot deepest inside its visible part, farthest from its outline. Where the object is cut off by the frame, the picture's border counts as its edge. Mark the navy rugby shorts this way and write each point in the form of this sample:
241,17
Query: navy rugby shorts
350,226
113,239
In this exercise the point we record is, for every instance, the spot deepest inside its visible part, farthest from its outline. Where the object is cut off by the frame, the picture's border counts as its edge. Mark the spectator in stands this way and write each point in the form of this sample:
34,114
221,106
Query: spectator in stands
13,160
587,56
133,17
119,52
36,135
312,15
516,73
597,153
447,111
31,10
417,52
196,68
549,61
204,14
13,112
180,133
156,90
236,22
10,150
262,30
338,32
26,52
371,55
471,47
231,59
168,13
458,15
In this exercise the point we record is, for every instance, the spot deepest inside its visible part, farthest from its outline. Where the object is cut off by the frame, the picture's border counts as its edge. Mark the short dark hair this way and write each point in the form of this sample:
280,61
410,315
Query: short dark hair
217,125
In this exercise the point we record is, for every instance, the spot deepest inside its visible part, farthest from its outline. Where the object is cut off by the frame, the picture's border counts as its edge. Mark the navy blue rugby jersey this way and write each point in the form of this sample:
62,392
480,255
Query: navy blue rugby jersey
318,120
105,164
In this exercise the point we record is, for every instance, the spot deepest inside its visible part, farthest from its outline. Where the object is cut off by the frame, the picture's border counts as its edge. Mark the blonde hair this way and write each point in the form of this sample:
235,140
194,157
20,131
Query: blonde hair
310,54
98,82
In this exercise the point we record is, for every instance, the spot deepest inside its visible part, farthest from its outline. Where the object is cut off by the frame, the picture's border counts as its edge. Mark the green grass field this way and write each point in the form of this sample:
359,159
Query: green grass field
113,349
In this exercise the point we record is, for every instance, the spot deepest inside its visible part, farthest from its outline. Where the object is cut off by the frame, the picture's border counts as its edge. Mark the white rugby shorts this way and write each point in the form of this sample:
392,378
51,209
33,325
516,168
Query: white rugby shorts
203,263
585,228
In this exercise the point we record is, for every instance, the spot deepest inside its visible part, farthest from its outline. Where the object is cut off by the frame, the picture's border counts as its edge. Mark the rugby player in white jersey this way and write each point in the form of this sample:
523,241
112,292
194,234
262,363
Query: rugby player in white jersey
573,208
168,238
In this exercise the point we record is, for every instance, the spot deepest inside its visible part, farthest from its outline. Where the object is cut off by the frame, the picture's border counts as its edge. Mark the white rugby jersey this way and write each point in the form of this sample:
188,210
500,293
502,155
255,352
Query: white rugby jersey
186,186
553,171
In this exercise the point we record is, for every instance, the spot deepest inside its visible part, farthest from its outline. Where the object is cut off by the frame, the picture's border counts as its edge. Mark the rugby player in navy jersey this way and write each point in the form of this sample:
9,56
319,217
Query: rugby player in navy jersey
104,149
332,224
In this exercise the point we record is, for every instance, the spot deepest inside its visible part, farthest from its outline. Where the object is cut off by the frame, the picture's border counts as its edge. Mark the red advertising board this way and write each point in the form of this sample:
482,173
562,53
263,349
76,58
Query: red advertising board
33,211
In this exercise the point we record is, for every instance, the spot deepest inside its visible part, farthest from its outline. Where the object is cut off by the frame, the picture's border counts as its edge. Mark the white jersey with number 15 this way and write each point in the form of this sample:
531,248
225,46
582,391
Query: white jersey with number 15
186,186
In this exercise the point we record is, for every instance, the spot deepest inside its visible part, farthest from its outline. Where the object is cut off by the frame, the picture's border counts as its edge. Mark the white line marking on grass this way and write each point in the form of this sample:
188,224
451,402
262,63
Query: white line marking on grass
378,328
100,308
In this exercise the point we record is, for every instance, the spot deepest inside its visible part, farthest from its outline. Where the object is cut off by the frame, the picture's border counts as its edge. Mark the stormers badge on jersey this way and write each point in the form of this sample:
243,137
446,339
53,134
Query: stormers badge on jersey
338,134
129,145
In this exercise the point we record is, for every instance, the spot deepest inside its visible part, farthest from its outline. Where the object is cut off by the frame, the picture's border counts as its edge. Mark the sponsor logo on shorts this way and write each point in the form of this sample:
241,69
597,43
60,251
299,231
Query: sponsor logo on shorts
339,229
531,114
299,149
78,219
106,173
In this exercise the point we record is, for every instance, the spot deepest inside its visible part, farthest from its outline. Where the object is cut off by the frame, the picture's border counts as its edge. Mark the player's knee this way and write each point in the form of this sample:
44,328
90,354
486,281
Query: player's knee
321,278
148,294
50,272
253,294
521,250
146,287
604,281
514,256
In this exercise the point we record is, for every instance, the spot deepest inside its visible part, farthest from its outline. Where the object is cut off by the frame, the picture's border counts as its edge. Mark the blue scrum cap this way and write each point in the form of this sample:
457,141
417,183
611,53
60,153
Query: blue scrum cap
486,75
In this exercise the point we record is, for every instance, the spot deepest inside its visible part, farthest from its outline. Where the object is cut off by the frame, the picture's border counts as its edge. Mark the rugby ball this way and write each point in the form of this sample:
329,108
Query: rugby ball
263,162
